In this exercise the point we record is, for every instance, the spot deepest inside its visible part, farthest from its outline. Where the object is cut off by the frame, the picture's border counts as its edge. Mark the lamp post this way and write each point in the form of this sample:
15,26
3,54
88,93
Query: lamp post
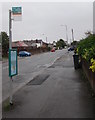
46,37
72,35
66,32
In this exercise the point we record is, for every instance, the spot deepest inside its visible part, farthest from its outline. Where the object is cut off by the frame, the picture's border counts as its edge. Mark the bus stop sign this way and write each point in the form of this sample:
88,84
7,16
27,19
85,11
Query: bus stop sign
13,68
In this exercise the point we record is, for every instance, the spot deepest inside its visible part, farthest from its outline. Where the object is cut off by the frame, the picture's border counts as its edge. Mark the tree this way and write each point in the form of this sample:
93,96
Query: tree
74,43
88,33
5,43
60,43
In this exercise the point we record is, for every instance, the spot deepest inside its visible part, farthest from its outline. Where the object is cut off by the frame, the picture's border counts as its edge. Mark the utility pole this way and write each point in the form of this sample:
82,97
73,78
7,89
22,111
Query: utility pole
46,39
72,35
66,32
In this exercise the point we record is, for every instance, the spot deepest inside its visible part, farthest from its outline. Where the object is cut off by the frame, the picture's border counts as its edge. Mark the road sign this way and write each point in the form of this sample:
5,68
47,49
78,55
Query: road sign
13,70
17,10
17,13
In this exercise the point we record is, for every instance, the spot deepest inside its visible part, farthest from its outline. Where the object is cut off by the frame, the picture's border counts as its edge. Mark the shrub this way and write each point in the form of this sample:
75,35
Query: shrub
92,67
86,49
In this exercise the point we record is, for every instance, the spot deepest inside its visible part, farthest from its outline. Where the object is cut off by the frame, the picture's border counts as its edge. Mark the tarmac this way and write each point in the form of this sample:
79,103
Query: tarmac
58,92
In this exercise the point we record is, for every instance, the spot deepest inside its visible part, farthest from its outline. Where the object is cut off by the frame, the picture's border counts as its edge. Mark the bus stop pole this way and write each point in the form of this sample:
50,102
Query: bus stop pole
10,47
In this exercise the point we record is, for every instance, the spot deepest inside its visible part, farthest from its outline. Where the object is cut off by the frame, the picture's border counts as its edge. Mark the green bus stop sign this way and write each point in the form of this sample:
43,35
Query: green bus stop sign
17,10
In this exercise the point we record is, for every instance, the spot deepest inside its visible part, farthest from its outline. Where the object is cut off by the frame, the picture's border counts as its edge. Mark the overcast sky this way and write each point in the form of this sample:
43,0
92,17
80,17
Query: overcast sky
47,18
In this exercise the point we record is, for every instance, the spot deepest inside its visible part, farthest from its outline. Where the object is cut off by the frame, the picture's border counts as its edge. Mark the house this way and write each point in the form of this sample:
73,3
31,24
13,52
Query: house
44,45
19,45
30,44
39,43
50,45
34,43
54,43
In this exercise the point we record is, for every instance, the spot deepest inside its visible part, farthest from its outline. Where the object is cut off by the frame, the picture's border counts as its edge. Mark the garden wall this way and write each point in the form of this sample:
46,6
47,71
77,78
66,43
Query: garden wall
89,74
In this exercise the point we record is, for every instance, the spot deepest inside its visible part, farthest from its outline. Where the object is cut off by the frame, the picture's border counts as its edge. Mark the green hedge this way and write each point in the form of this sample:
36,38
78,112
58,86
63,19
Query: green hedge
86,48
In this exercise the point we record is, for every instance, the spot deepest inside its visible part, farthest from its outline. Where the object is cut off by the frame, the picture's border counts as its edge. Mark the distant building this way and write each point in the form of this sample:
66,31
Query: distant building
54,43
50,45
19,45
39,43
29,44
34,43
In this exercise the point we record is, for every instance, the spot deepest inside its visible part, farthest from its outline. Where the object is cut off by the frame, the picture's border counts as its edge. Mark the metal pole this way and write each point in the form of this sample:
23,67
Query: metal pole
66,34
46,39
10,47
72,35
10,30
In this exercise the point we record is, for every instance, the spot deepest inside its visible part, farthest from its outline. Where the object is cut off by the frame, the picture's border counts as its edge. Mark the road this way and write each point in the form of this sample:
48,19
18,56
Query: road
28,68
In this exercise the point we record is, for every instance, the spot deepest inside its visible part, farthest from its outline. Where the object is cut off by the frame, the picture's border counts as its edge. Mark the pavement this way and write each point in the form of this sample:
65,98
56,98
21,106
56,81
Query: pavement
58,92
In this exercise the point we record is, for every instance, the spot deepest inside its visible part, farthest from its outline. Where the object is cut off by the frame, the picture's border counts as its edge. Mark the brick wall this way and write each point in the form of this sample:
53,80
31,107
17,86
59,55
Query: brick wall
89,74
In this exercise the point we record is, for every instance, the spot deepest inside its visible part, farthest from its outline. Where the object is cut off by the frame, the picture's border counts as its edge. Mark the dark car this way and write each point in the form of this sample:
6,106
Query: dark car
24,54
71,49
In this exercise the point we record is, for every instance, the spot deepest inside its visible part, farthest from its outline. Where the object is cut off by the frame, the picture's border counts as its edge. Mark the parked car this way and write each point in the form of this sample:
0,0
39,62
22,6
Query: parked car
24,53
53,50
71,49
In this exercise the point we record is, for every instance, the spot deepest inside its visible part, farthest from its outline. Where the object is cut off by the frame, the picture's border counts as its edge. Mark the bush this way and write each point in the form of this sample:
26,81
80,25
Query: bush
86,49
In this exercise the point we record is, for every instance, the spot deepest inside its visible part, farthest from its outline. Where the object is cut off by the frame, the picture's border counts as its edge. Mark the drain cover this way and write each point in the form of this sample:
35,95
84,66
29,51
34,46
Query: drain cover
38,80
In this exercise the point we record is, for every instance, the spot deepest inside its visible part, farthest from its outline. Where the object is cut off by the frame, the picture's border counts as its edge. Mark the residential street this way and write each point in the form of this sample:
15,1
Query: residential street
47,60
28,68
58,92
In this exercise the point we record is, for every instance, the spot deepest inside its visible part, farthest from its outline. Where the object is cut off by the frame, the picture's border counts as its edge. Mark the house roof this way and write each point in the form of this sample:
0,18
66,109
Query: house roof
19,44
30,42
27,43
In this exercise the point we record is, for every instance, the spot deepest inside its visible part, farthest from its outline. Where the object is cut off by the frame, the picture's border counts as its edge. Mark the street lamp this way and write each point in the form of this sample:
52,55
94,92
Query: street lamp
72,35
66,32
46,37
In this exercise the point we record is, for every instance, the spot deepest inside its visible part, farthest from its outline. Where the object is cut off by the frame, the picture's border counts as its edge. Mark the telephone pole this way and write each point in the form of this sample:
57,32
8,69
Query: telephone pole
46,39
66,32
72,35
